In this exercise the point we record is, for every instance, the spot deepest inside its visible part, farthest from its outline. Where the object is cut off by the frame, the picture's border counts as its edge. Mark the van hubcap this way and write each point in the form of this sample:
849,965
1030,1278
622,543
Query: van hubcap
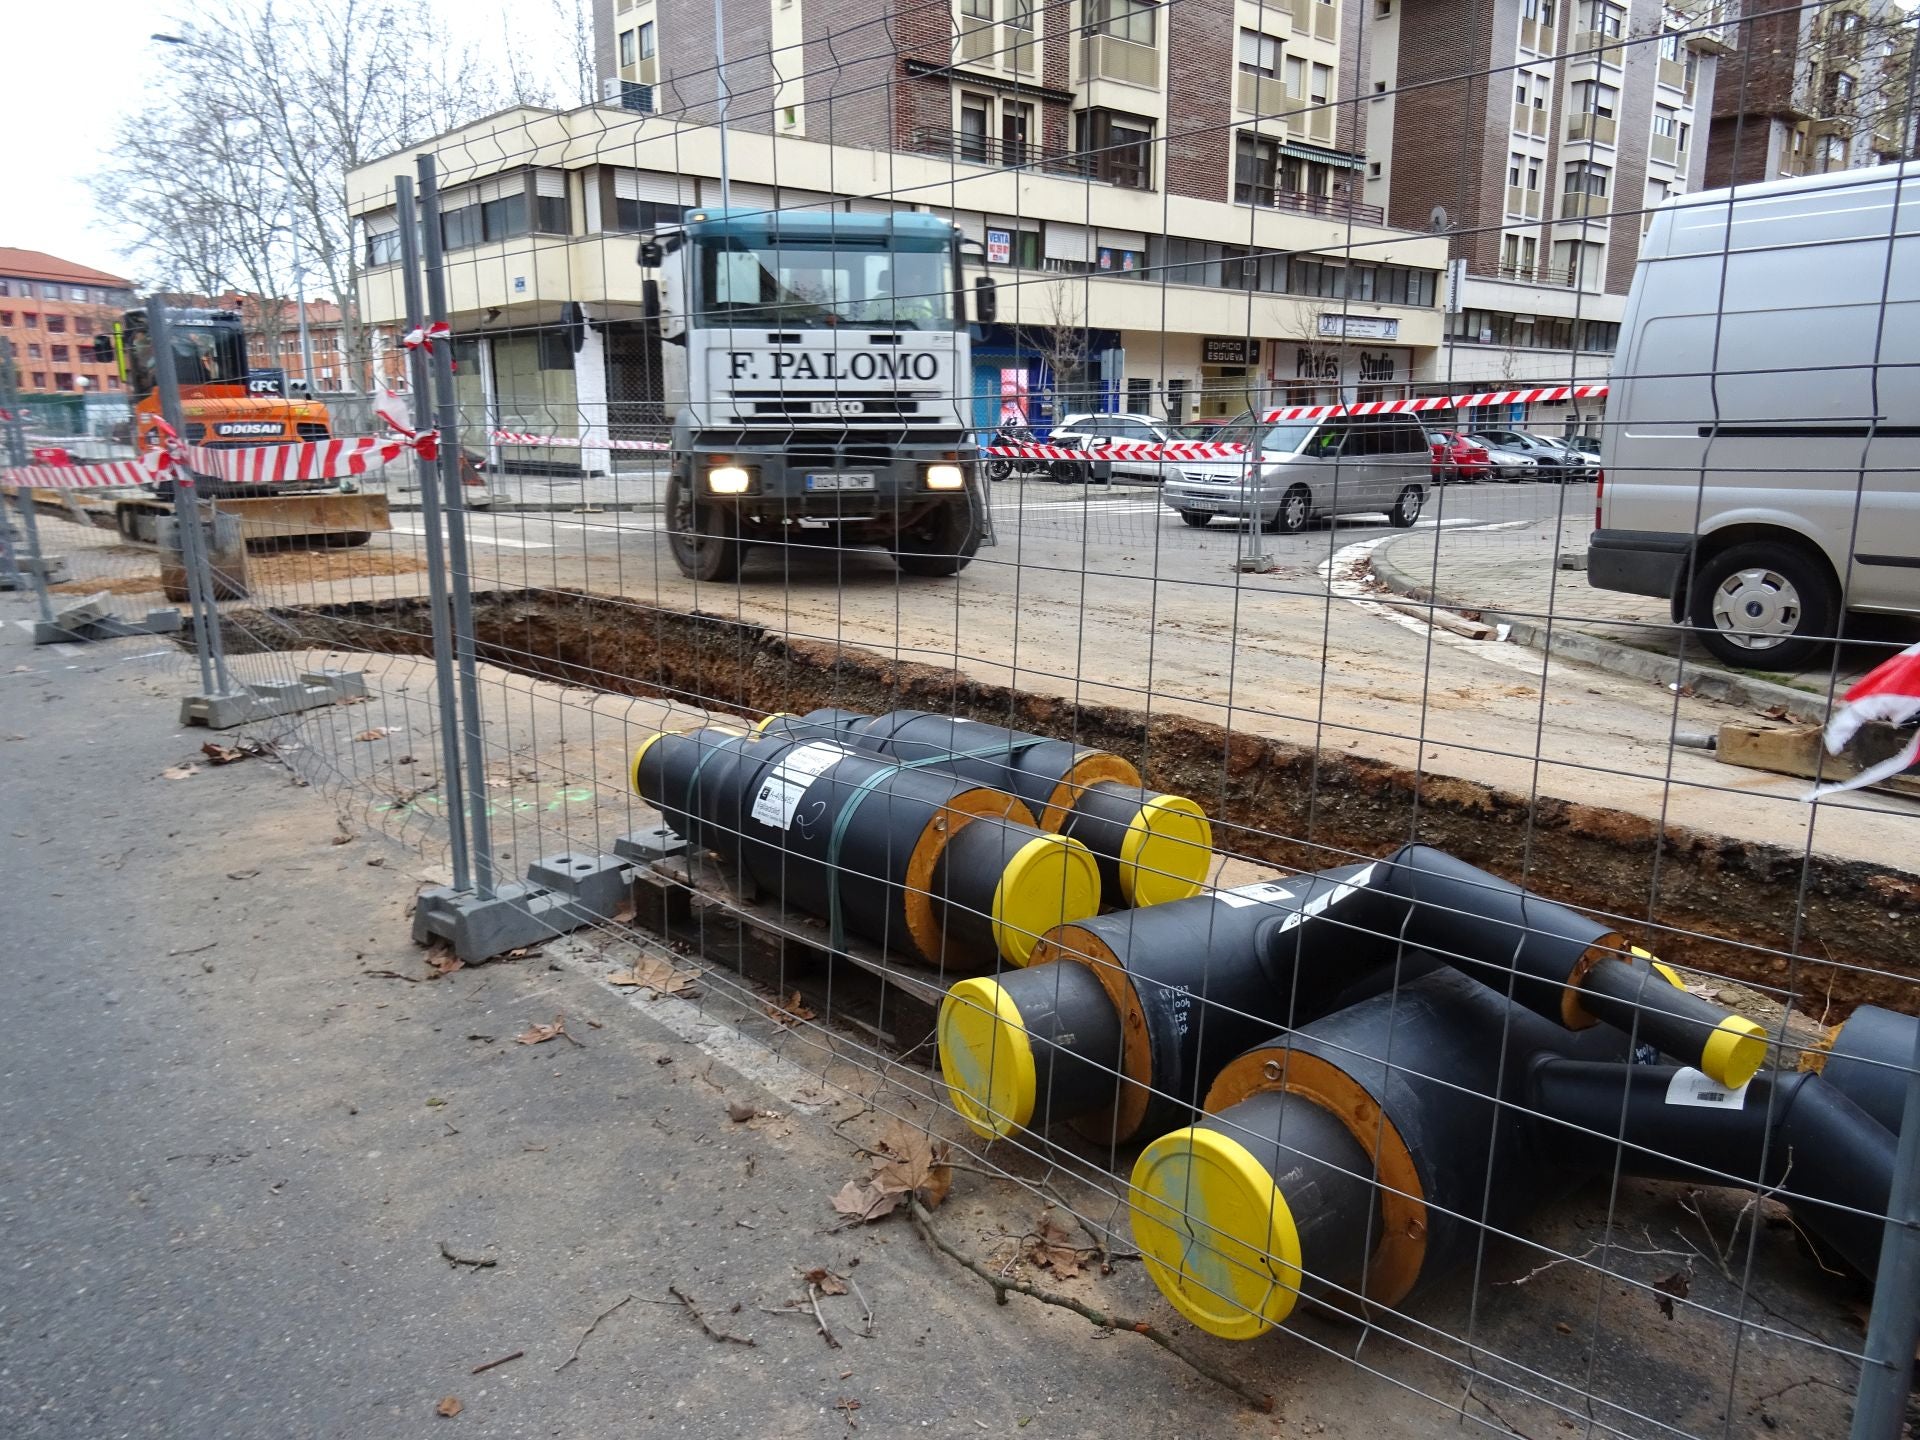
1756,608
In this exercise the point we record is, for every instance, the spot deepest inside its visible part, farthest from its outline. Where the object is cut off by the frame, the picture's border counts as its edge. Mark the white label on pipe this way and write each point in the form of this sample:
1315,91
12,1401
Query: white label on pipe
1267,892
780,792
1695,1087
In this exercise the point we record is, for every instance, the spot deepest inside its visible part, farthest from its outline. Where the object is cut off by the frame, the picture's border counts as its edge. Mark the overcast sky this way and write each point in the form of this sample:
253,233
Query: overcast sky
73,69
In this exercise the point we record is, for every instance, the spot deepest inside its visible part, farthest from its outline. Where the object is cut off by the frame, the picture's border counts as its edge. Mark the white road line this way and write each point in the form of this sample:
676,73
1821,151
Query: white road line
480,539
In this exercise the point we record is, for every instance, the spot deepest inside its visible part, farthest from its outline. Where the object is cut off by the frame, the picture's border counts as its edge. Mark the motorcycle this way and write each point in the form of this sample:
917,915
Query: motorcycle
1001,467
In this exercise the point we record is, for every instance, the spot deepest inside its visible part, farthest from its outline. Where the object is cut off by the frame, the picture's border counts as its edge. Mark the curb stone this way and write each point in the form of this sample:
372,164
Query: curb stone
1706,681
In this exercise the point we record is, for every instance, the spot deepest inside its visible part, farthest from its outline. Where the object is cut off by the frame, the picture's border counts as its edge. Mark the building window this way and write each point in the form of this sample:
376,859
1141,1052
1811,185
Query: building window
1020,15
1664,119
646,33
56,324
1832,154
1586,178
32,319
1123,19
1686,133
1322,84
1539,11
1603,18
39,379
7,287
1118,147
1016,128
1840,90
1373,169
977,10
1260,54
1256,162
974,110
63,380
629,52
383,247
59,354
6,319
113,382
49,292
1670,45
82,325
1592,98
1600,336
631,217
34,352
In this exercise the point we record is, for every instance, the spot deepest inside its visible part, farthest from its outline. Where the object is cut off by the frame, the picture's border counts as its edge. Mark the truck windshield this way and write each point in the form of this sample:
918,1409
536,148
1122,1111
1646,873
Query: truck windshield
811,284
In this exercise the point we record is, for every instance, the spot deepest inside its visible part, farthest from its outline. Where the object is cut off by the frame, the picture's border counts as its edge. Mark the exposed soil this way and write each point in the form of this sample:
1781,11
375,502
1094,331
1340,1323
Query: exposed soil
111,584
320,567
1835,932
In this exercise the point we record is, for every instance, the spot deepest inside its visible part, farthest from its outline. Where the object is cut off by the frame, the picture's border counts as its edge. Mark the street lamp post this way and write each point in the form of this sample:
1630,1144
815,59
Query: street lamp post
293,229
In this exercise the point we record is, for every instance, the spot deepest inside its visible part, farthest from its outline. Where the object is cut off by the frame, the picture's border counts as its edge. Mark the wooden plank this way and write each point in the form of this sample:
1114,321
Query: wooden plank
1797,750
1445,619
895,1002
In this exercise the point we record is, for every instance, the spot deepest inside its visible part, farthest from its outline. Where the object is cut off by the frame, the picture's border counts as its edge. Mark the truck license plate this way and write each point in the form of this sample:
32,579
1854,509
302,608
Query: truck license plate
841,480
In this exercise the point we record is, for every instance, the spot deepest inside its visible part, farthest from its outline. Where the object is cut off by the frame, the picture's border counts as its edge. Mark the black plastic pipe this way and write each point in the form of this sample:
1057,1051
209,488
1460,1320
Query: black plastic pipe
1790,1133
1868,1061
1562,965
1165,996
1422,1085
876,850
1151,847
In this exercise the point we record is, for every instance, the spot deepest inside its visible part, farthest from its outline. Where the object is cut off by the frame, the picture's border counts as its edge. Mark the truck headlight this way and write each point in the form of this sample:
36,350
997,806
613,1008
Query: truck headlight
946,477
728,480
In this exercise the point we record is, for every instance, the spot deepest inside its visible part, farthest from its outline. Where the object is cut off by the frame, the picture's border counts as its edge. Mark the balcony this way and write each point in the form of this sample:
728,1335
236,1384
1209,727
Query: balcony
998,154
1524,202
1665,149
1530,120
1671,73
1591,44
1593,129
1705,21
1263,96
642,72
1562,278
1332,207
1536,37
1584,207
1111,58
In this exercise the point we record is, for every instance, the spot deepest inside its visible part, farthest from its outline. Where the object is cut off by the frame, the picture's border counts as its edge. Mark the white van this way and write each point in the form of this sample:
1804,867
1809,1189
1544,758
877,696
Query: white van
1763,426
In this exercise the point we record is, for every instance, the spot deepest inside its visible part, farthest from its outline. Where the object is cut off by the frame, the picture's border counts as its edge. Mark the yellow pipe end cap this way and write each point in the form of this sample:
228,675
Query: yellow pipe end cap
986,1058
760,726
1216,1233
1050,880
1734,1051
633,773
1167,851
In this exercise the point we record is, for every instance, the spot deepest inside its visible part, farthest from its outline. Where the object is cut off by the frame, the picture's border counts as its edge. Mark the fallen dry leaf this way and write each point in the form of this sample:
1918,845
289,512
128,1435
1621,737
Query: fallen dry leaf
540,1034
179,772
791,1011
449,1407
867,1201
624,915
378,732
655,975
828,1282
442,961
229,754
1052,1248
1676,1286
914,1161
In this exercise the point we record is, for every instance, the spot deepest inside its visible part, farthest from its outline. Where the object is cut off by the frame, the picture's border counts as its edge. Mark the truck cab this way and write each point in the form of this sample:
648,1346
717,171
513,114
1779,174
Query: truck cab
816,366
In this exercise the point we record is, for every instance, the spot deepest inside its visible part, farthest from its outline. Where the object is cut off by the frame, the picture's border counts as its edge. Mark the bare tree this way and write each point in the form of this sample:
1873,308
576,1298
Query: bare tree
1062,343
575,19
277,105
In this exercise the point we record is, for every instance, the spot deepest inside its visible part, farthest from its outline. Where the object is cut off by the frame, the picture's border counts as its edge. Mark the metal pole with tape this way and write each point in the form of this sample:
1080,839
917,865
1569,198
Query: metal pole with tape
447,418
207,648
445,691
35,569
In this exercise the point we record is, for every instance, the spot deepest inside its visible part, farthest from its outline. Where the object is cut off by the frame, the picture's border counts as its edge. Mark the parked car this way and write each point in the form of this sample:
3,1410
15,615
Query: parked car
1354,464
1589,443
1552,460
1763,430
1510,464
1455,457
1093,432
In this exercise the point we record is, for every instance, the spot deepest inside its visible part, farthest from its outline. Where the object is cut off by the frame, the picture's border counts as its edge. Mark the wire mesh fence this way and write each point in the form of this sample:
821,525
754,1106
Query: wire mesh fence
1247,669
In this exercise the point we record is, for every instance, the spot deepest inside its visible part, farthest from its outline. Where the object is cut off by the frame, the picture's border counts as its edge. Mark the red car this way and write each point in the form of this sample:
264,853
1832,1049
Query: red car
1457,458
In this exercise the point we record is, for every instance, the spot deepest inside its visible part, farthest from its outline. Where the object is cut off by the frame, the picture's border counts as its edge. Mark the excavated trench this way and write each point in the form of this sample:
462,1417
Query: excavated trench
1273,800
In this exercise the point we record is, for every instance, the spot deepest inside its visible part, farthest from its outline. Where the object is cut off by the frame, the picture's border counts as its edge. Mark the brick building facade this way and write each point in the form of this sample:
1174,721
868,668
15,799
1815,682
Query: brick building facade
51,309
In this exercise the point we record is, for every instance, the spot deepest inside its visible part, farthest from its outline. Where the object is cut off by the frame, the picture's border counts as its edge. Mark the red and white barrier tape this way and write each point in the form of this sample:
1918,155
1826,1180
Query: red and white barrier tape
568,442
117,473
1480,399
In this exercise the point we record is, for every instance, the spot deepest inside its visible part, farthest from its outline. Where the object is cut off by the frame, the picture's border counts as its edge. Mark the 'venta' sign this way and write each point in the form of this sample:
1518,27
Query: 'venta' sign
1229,351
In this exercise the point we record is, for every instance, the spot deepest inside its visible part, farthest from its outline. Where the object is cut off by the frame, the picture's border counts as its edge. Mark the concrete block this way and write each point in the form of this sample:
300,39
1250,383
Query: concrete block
561,893
263,702
656,842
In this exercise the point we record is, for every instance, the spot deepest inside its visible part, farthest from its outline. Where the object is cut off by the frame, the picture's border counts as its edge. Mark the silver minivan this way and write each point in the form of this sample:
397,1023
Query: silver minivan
1762,446
1344,465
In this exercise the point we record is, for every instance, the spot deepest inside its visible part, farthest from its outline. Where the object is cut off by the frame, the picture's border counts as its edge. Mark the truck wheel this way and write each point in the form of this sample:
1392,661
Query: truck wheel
346,539
943,544
704,538
1763,604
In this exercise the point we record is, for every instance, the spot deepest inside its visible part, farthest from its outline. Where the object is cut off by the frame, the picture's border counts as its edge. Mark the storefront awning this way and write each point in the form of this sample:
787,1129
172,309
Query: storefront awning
1336,158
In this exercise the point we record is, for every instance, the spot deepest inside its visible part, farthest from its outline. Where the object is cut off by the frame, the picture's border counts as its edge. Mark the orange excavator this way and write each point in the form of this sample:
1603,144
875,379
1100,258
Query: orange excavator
227,406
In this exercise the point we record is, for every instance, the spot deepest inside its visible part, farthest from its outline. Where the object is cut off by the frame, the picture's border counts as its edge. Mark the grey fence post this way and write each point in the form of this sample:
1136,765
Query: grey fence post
1893,1327
208,648
35,570
433,520
447,420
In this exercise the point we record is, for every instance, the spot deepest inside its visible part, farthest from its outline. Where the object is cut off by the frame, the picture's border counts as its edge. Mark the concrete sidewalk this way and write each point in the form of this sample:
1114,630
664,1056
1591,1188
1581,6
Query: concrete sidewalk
637,489
1533,580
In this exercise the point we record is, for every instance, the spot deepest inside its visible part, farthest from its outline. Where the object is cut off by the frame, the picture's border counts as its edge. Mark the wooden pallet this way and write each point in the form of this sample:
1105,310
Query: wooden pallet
691,903
1797,750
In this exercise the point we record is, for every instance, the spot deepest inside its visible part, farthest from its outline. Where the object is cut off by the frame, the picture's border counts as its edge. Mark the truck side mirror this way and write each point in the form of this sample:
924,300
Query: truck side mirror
986,301
103,350
651,254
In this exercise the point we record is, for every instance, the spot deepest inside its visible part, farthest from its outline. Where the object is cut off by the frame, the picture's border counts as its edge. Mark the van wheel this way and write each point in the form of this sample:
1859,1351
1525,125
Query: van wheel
1763,605
1196,518
704,539
1296,509
1406,509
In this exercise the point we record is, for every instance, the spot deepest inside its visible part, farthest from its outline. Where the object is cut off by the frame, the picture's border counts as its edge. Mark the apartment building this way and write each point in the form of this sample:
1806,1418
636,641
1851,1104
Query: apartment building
51,309
1536,135
1812,88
